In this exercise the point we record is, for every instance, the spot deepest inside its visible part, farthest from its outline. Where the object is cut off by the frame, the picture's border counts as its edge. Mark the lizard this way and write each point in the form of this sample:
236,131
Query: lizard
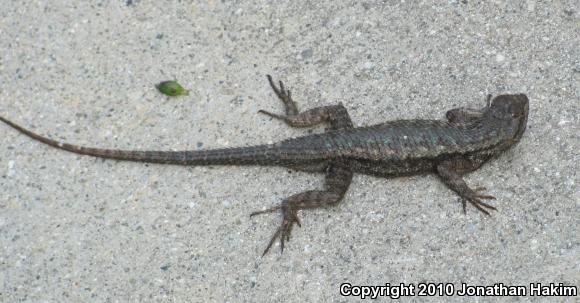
450,148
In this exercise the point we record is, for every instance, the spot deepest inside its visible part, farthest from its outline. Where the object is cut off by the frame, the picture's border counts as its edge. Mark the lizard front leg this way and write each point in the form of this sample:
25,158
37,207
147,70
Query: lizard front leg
338,178
336,115
463,115
451,171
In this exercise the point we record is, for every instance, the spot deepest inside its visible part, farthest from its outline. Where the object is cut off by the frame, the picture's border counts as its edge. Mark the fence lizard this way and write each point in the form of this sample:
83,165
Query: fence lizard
449,148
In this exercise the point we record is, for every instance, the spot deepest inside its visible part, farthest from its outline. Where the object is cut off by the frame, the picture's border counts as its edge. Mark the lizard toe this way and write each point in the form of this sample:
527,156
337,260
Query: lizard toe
481,206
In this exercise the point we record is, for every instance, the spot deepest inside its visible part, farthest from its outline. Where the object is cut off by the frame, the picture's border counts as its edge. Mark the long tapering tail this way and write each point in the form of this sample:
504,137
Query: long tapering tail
253,155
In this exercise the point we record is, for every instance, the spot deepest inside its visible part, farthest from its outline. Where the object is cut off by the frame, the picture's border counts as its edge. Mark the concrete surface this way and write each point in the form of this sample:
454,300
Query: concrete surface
79,229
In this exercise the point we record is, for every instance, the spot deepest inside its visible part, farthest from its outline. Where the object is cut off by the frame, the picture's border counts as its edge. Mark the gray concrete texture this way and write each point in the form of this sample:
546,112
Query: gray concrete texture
79,229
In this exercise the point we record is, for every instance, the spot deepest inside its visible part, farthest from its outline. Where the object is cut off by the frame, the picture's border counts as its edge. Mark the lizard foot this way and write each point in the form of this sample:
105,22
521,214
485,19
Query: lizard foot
475,200
286,97
290,217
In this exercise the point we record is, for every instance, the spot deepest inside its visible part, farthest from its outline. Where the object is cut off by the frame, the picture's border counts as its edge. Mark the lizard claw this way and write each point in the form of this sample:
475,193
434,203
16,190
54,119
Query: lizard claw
265,211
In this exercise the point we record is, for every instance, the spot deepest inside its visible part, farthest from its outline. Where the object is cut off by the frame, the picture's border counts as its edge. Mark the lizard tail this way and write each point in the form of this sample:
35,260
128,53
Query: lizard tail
253,155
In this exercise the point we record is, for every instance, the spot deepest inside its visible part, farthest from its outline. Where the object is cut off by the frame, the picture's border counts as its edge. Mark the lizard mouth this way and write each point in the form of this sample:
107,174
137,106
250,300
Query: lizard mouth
523,119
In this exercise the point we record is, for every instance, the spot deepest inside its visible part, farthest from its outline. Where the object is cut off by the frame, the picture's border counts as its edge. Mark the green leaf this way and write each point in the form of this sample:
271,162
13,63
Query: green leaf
171,88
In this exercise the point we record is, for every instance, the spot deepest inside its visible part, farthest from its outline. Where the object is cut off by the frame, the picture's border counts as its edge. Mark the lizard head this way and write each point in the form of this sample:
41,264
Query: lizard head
509,113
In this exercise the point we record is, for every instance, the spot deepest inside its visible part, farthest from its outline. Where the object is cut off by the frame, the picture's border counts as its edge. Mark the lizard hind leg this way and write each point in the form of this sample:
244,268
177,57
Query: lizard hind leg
338,178
336,115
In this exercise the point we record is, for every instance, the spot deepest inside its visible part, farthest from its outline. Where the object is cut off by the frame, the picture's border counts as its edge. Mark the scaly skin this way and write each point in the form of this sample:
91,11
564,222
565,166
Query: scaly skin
449,148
